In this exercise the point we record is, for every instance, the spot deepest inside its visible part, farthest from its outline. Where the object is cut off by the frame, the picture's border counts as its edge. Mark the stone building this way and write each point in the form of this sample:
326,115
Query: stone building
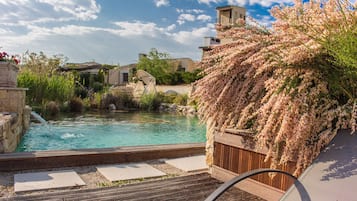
122,74
227,17
183,64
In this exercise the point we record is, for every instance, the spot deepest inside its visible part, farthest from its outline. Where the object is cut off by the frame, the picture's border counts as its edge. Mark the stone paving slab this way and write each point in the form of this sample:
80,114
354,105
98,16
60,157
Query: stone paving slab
129,171
189,164
46,180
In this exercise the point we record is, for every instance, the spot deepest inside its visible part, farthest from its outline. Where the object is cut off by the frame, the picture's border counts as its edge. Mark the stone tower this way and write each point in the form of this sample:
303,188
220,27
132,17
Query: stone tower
227,17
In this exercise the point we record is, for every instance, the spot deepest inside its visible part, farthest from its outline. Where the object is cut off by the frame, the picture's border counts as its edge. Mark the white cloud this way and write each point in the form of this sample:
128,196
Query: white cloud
72,30
178,10
238,2
23,12
185,17
265,3
191,37
136,28
197,11
264,20
160,3
204,18
14,2
87,10
171,27
208,2
5,31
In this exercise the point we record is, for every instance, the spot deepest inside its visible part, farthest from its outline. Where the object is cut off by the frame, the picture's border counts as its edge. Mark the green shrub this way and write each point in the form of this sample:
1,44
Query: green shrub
80,92
189,77
166,98
97,86
178,99
42,88
181,99
120,100
128,101
52,108
150,102
108,99
39,74
60,87
75,105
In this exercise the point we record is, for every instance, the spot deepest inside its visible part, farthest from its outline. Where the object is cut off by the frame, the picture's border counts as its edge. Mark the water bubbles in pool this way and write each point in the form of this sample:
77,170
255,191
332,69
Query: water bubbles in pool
71,135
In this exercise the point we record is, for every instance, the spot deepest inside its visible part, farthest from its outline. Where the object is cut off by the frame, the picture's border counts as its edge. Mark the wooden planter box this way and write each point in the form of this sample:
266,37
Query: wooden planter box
8,74
235,153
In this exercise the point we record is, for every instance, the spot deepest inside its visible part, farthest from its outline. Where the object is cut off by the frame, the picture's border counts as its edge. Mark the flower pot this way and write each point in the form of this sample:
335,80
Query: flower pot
8,74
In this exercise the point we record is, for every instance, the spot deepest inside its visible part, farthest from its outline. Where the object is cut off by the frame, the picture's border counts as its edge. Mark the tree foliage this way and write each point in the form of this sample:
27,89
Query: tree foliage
156,64
295,86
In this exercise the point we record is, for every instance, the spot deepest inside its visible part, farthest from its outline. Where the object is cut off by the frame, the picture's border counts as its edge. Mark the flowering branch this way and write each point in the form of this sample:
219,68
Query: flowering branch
294,87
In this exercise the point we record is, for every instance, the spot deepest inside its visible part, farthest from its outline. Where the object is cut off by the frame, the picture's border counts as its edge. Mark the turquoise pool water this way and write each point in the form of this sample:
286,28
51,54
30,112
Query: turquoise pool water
112,130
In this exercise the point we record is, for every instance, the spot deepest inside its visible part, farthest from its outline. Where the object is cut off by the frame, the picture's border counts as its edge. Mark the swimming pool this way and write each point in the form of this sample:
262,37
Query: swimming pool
112,130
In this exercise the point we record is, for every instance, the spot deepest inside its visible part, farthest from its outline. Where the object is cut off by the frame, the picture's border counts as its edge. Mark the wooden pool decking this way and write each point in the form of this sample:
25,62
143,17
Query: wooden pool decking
193,187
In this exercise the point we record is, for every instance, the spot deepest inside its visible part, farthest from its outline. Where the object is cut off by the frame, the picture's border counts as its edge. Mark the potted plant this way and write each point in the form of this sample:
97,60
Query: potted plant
8,70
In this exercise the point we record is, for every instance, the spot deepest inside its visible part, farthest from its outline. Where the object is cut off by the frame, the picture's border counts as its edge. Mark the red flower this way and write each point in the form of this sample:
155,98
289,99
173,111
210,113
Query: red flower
17,61
6,57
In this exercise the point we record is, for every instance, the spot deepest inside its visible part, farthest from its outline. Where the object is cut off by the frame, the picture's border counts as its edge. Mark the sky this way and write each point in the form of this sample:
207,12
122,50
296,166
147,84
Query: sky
115,31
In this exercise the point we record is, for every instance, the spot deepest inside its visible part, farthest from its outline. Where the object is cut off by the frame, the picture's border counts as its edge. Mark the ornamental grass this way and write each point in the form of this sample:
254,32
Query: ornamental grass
294,85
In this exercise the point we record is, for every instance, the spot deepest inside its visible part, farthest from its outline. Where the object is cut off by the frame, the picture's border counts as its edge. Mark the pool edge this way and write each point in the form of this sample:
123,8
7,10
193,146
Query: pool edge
84,157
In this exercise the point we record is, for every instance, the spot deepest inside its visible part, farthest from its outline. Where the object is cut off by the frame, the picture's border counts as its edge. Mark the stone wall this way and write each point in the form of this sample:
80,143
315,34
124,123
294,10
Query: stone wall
180,89
179,109
14,117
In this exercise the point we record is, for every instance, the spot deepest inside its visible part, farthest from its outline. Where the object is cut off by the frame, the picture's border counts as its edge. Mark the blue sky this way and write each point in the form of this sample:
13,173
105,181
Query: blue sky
115,31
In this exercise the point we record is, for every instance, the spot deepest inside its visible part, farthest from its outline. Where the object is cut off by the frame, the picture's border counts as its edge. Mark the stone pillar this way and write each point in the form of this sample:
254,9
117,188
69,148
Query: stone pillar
14,117
12,99
8,75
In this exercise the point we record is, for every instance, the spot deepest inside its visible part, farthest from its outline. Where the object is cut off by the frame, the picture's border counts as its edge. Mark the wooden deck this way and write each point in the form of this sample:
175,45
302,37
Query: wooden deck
194,187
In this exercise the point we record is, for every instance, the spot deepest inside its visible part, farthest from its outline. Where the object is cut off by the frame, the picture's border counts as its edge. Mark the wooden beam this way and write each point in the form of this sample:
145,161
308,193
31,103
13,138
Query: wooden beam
239,141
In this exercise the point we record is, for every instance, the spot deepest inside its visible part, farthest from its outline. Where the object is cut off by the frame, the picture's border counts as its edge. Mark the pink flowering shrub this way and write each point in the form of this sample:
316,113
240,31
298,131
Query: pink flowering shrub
292,85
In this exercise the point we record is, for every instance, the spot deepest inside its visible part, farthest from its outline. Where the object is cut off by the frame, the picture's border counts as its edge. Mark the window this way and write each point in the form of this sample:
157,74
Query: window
125,77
